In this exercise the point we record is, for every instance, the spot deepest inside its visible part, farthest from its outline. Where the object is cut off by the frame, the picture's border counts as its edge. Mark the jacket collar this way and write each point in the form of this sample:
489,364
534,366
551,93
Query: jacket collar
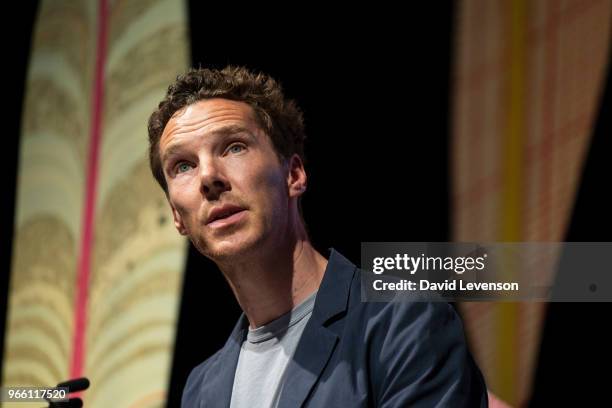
333,294
318,342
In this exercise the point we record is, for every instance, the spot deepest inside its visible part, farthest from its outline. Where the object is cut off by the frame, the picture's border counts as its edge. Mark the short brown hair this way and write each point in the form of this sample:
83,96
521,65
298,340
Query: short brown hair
278,116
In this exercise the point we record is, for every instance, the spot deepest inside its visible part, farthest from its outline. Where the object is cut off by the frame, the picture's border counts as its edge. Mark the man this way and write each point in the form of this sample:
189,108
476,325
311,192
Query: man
227,148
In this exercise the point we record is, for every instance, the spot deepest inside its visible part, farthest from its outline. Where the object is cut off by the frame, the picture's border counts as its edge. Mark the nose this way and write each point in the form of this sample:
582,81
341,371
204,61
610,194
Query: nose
213,181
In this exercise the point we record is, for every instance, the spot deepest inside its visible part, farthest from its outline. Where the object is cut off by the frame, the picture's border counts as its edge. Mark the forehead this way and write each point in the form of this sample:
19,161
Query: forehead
208,116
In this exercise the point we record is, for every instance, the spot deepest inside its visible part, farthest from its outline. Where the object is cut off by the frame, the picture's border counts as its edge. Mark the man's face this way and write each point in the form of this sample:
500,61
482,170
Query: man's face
227,187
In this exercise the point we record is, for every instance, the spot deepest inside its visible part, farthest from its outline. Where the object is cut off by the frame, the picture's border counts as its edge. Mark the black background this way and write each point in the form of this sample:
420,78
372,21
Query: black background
374,84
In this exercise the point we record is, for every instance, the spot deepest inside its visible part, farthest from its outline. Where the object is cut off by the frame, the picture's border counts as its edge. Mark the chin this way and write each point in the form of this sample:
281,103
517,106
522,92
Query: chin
229,248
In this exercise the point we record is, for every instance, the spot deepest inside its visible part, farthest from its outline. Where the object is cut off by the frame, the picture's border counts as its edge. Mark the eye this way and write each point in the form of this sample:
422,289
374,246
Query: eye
236,148
183,167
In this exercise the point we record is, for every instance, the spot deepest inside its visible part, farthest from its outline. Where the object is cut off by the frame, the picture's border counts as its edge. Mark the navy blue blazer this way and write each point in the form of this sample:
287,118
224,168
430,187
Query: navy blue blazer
359,354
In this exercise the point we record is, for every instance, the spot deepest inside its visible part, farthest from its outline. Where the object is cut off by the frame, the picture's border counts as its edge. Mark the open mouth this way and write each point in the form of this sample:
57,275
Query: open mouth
225,215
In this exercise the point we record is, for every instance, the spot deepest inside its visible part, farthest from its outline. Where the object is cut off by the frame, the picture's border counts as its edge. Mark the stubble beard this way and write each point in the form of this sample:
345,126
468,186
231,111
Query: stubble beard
237,250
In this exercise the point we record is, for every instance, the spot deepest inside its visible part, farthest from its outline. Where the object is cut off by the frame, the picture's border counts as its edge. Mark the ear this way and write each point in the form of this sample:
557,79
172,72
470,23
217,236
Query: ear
178,220
296,176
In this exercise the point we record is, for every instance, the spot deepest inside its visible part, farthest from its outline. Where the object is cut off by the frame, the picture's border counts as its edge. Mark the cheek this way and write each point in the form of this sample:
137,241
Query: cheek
264,191
275,195
184,202
258,176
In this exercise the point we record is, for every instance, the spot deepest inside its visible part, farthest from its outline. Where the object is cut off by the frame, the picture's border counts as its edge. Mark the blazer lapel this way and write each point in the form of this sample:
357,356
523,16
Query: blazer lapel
318,342
315,349
219,381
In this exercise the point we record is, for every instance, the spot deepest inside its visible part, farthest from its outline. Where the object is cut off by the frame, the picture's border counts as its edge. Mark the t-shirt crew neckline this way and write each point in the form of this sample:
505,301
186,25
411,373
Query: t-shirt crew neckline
283,322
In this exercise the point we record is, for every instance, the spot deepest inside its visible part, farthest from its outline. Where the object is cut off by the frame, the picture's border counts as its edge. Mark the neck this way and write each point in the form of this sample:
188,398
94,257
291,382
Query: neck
277,281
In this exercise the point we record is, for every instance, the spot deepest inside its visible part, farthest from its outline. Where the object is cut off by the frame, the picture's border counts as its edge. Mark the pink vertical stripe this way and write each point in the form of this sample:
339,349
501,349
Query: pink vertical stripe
87,225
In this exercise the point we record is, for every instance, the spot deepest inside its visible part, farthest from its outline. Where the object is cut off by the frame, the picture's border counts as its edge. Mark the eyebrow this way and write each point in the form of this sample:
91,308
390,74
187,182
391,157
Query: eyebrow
221,132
